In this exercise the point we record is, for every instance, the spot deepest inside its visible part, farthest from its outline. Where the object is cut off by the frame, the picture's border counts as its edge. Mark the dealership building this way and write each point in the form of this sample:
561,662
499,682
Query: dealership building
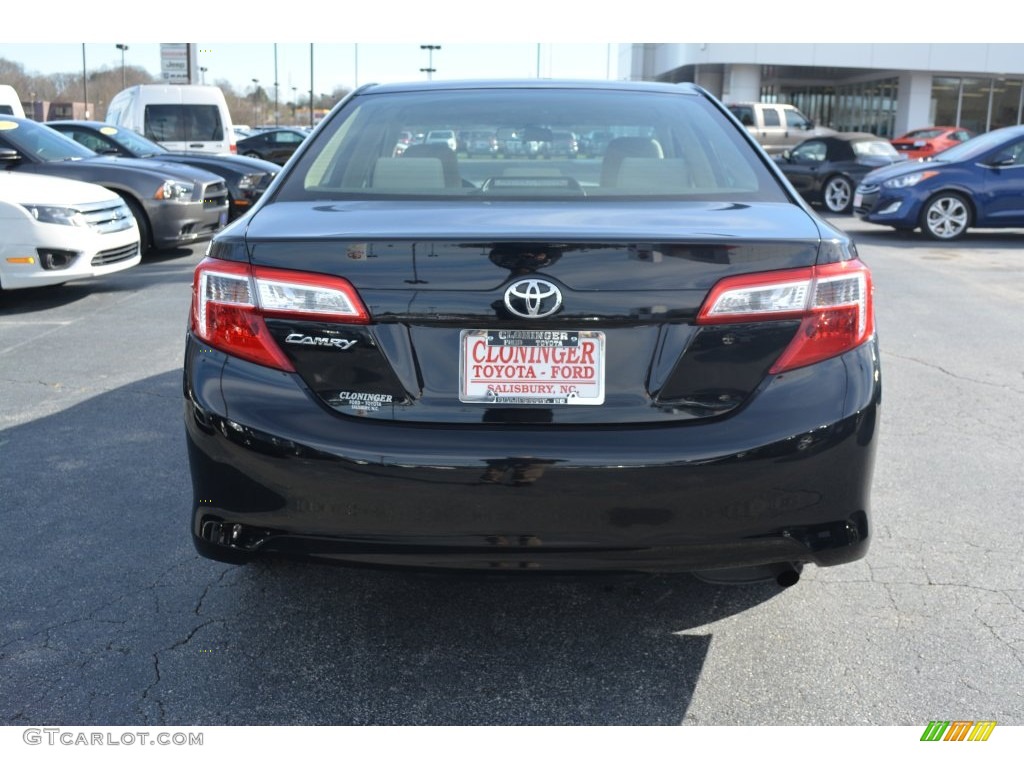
882,88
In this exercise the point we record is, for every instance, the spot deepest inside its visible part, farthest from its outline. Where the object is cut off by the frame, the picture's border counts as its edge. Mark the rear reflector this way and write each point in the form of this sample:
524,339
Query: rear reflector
833,300
231,299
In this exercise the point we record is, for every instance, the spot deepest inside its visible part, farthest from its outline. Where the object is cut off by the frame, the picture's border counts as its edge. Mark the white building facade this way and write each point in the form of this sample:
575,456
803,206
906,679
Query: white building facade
882,88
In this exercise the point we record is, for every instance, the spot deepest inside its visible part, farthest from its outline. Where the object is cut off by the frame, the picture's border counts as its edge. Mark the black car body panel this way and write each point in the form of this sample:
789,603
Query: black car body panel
364,443
785,480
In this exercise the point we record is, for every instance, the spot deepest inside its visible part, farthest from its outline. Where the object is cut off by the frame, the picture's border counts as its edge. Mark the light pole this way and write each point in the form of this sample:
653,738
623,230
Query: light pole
122,48
85,83
255,101
429,69
295,103
202,74
277,118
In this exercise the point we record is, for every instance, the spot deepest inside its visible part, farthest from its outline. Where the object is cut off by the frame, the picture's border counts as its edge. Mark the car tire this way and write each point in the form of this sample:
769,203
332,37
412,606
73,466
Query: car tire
837,194
946,216
250,153
145,230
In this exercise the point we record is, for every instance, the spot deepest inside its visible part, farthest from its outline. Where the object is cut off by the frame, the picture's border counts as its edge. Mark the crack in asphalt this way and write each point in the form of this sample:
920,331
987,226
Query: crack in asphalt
30,381
71,389
48,643
156,668
211,585
968,379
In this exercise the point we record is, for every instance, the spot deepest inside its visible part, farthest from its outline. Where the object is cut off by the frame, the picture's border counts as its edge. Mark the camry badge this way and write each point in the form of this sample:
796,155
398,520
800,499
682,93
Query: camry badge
320,341
533,298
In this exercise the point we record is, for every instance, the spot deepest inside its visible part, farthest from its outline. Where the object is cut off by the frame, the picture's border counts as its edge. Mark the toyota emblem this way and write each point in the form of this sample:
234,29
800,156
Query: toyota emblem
533,298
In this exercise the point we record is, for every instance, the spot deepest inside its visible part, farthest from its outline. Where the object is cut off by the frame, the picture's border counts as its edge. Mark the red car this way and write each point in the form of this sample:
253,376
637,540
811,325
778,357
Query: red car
925,142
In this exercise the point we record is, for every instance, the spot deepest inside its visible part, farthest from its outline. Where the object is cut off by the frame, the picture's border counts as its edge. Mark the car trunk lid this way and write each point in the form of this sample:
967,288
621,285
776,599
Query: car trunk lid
448,342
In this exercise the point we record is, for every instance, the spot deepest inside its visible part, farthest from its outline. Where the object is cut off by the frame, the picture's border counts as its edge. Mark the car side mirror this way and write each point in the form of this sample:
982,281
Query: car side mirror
8,156
1001,159
787,155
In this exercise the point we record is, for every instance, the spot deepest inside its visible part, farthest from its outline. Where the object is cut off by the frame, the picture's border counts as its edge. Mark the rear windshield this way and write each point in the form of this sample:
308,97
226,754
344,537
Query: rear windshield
183,122
635,145
874,149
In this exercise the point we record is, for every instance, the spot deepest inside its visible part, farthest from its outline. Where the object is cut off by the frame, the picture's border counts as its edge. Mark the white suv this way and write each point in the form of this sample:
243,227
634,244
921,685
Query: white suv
443,137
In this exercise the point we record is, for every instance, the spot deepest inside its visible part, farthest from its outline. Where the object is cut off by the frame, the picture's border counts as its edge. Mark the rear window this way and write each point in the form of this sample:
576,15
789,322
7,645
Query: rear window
641,145
874,149
183,122
926,133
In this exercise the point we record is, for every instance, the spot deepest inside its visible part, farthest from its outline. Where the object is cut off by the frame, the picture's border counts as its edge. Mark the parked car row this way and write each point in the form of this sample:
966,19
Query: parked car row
164,197
173,204
246,177
973,182
530,142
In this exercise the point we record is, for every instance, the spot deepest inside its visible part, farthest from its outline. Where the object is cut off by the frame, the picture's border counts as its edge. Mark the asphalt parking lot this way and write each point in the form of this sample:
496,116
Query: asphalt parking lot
110,618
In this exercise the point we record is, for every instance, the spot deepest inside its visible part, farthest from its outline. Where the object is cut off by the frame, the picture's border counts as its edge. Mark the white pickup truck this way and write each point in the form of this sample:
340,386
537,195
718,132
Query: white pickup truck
776,127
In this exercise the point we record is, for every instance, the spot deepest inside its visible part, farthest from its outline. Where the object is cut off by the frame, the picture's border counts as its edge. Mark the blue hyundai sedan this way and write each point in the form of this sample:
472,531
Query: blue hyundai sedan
979,183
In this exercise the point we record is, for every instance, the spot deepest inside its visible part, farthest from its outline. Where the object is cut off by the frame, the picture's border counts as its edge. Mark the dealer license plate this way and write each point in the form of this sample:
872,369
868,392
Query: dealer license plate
531,367
858,198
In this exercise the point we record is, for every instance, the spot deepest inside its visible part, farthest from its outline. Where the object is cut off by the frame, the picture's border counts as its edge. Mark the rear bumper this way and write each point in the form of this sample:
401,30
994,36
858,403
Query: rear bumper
784,479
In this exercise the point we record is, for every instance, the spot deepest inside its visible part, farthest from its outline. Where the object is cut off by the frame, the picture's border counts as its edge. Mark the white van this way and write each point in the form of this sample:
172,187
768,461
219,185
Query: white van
182,118
10,104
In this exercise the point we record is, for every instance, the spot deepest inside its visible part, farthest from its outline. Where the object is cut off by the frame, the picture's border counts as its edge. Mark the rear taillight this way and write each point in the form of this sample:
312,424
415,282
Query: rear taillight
231,299
832,300
233,149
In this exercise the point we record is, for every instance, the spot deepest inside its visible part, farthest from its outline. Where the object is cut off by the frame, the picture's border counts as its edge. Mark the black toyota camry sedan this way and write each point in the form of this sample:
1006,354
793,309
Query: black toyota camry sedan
654,358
